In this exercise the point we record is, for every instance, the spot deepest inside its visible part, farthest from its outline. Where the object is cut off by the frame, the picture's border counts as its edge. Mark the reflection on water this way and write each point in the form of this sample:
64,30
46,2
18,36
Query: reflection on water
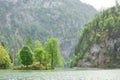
61,75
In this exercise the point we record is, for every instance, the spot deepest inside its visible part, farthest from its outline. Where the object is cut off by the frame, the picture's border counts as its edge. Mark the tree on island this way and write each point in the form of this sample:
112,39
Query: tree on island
28,41
18,58
46,59
5,61
26,56
39,51
40,54
38,44
51,47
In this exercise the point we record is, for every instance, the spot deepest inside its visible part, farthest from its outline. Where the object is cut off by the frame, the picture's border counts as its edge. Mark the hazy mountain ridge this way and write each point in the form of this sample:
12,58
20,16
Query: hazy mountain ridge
42,19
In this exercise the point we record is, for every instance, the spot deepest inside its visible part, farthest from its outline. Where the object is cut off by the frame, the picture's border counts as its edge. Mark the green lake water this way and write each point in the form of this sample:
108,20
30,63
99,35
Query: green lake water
61,75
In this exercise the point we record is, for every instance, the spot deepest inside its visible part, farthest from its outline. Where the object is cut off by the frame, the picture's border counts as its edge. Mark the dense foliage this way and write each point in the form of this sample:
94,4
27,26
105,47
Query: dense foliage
5,61
51,47
104,27
39,54
48,57
26,56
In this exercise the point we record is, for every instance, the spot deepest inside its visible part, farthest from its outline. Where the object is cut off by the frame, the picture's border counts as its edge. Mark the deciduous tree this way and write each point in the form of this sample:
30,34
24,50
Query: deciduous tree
26,56
5,61
51,46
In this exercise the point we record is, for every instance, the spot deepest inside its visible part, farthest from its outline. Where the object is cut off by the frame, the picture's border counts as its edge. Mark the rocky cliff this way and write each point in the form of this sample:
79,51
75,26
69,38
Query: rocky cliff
99,42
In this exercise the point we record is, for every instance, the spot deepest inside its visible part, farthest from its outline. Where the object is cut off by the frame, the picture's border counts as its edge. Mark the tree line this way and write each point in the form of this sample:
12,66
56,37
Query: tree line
47,56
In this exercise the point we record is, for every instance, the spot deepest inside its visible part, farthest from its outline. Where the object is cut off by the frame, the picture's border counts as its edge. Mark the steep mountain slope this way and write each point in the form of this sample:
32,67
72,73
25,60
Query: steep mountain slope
42,19
99,42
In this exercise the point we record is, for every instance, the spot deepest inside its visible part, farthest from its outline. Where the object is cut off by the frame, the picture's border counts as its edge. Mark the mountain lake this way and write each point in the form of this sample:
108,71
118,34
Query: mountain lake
96,74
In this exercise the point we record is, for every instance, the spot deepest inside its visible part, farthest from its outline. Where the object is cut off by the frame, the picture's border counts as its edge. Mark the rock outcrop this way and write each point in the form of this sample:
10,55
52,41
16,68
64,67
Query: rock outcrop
99,42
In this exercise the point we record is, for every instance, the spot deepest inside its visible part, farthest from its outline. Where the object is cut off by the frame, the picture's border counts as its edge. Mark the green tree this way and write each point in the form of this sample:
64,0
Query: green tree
38,44
46,59
39,51
5,61
39,54
51,46
18,58
26,56
73,60
29,41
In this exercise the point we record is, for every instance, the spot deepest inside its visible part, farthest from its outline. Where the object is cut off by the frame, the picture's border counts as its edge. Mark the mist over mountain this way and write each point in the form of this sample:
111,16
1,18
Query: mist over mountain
42,19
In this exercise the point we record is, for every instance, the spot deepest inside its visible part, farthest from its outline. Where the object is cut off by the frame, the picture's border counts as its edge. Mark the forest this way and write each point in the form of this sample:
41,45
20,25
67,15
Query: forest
99,43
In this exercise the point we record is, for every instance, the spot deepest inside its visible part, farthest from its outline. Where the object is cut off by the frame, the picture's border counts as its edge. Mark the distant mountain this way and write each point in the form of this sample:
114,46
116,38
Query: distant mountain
42,19
99,42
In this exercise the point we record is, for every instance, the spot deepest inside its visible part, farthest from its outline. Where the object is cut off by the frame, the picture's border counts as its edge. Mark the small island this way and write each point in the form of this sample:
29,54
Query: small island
29,58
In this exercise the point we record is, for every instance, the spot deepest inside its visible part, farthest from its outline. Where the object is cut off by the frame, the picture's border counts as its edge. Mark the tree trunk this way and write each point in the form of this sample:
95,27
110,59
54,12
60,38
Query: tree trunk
46,67
26,66
52,62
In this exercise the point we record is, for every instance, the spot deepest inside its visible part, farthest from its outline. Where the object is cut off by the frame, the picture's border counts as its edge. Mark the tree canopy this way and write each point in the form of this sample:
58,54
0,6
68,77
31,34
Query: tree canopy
26,56
5,61
51,46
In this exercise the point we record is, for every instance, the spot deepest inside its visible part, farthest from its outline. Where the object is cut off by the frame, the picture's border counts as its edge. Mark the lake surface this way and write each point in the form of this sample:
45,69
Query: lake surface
61,75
